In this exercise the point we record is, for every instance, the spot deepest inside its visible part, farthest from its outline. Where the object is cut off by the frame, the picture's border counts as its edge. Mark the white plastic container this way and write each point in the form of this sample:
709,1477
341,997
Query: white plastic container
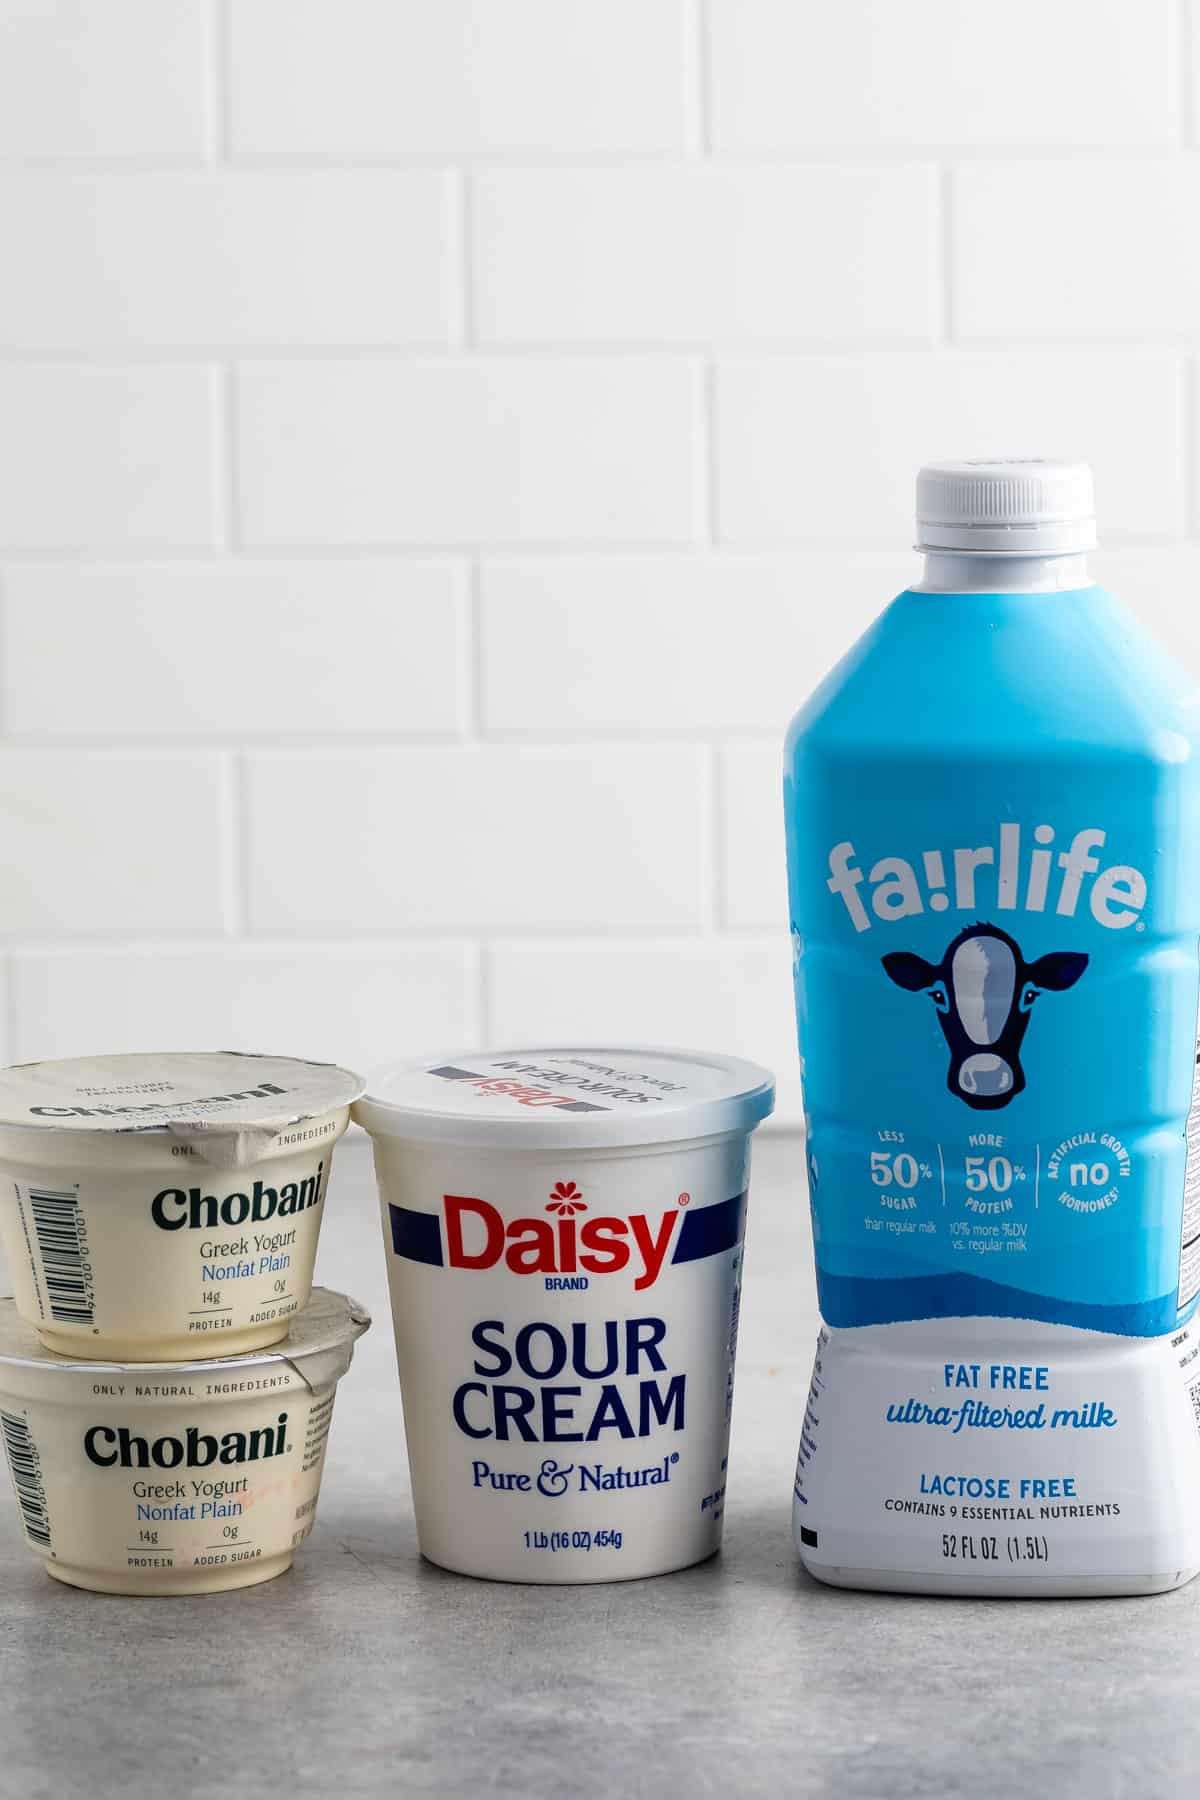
1063,1463
166,1206
176,1478
563,1230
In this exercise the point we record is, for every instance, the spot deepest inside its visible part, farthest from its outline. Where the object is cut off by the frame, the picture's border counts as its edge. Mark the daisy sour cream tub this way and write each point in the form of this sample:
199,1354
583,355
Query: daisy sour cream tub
164,1206
172,1478
563,1231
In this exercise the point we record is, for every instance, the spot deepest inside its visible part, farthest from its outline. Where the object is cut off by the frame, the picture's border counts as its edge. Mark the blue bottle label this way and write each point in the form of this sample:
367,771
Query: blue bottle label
997,994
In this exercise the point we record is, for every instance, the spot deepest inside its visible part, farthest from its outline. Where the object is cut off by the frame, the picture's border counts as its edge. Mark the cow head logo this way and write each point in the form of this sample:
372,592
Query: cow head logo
984,992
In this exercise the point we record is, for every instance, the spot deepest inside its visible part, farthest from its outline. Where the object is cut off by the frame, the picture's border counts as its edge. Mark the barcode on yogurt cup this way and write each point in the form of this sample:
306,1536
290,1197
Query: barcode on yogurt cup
26,1467
62,1252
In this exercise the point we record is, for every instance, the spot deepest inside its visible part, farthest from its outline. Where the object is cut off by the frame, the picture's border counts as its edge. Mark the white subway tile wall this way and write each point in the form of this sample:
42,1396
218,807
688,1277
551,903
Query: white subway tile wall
295,999
108,456
468,450
254,259
441,445
703,253
254,648
100,840
130,78
460,78
540,838
872,74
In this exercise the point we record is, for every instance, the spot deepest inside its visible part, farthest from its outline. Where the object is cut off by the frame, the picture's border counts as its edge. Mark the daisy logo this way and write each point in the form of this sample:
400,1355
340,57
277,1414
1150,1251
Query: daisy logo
471,1233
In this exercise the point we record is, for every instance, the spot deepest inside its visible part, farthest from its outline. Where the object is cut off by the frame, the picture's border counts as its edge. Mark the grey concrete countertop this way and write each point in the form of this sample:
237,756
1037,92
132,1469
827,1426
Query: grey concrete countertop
368,1672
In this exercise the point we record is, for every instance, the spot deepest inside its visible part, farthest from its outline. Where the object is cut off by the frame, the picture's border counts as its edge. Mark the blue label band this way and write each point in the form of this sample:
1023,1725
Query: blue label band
711,1229
847,1300
417,1236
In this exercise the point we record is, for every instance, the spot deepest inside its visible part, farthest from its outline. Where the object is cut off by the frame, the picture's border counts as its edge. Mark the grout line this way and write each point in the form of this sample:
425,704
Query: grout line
418,743
479,993
732,550
164,162
707,65
233,496
226,503
461,257
160,944
697,71
220,64
1186,49
710,841
718,836
652,735
470,661
235,834
109,556
6,654
684,549
1189,447
353,931
346,938
798,156
944,254
303,744
220,522
600,354
706,456
474,952
11,1018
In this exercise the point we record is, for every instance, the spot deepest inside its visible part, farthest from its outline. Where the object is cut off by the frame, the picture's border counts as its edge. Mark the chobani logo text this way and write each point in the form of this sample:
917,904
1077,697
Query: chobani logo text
469,1233
175,1208
1004,876
115,1446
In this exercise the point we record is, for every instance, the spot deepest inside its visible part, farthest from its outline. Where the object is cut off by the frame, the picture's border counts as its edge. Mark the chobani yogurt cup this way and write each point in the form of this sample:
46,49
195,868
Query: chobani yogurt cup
172,1478
563,1232
163,1206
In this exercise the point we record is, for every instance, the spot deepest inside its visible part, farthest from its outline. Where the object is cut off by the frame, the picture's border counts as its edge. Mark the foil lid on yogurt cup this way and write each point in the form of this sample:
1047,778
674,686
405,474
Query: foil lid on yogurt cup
229,1105
318,1349
567,1097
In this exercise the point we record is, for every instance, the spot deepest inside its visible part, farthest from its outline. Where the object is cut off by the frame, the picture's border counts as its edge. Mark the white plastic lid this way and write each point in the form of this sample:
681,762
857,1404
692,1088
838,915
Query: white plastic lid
318,1347
567,1097
200,1091
1021,506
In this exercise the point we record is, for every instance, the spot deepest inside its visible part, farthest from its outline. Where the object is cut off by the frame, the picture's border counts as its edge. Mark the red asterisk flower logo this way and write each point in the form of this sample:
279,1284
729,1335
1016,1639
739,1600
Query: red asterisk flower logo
566,1199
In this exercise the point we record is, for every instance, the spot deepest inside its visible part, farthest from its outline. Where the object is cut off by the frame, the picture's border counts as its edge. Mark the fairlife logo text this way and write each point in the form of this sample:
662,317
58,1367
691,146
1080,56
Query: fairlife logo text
1006,875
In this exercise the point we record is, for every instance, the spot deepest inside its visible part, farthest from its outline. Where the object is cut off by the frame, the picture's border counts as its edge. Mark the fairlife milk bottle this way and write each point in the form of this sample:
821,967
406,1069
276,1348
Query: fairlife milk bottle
993,820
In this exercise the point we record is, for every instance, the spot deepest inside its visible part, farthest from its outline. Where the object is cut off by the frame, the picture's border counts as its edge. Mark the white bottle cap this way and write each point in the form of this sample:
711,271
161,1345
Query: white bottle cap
1026,506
